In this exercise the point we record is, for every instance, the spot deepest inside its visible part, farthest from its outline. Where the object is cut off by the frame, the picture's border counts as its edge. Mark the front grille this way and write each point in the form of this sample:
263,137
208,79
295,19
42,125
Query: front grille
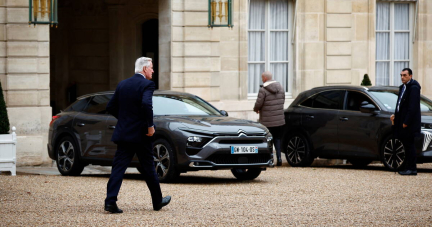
241,141
239,158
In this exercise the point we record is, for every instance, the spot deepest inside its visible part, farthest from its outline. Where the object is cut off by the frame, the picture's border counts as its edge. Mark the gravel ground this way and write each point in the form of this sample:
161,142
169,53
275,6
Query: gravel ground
319,196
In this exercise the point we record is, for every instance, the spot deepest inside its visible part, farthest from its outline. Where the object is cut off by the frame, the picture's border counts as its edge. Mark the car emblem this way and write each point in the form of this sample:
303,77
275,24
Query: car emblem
241,133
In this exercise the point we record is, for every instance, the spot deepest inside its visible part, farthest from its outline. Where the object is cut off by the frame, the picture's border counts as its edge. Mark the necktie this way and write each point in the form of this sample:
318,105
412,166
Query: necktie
400,99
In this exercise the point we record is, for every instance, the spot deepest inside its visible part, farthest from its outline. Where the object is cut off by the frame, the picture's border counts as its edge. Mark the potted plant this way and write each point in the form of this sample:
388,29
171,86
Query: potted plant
7,141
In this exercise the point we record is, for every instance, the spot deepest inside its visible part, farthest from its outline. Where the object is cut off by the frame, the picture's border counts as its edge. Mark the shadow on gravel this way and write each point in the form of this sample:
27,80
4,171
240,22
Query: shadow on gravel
374,168
184,179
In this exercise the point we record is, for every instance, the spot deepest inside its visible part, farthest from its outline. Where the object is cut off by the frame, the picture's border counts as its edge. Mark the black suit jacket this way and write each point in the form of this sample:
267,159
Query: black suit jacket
132,106
409,110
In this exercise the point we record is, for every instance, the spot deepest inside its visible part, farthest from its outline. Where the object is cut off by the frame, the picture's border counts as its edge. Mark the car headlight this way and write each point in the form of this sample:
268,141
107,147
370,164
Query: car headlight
426,126
197,141
269,139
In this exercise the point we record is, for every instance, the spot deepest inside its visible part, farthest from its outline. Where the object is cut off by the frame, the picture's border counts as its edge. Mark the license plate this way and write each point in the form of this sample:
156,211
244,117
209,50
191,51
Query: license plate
244,150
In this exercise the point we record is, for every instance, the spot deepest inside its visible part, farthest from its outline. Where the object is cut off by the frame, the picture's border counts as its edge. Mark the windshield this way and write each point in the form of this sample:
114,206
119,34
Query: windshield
389,99
181,105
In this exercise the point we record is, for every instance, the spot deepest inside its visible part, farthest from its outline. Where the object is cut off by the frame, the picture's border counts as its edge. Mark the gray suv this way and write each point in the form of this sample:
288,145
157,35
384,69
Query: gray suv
190,135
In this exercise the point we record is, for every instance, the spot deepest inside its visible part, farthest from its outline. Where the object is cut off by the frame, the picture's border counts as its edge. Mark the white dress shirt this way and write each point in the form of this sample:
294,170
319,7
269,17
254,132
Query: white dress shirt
403,92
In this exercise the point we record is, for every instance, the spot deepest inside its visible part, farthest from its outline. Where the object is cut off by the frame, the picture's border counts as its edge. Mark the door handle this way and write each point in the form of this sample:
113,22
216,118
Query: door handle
310,116
343,119
80,124
111,126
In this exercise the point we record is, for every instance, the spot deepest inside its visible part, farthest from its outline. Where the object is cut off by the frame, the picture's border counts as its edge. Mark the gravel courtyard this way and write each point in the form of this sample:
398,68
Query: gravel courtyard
282,196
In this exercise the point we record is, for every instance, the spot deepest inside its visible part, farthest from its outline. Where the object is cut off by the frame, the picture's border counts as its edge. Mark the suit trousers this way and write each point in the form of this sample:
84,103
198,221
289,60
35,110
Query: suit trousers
410,152
123,157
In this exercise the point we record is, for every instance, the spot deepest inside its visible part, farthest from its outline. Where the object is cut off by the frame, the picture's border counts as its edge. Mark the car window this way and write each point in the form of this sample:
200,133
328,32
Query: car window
355,99
389,99
78,105
308,102
329,99
181,105
97,104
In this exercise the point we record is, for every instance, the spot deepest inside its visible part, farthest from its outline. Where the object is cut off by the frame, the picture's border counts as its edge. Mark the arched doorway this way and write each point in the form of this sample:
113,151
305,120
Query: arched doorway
150,45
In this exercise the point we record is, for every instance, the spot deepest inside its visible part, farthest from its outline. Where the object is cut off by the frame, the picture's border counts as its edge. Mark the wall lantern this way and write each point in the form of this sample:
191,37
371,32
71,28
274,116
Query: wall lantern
43,12
220,13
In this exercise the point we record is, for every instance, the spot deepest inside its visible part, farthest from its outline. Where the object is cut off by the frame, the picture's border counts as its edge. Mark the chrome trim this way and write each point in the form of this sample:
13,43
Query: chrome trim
427,139
212,164
235,137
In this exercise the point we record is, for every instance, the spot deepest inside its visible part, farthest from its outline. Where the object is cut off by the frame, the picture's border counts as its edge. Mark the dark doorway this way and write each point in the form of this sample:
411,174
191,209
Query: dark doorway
150,45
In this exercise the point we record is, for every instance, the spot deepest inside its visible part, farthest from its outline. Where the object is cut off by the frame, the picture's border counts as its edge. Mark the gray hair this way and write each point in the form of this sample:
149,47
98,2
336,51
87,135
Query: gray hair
268,75
141,62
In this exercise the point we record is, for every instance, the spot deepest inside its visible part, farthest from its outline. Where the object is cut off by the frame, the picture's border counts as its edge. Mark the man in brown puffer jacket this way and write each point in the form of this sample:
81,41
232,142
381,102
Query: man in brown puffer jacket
269,106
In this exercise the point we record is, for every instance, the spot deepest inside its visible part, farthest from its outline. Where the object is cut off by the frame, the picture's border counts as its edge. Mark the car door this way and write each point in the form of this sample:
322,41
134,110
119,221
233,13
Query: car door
320,120
357,131
90,125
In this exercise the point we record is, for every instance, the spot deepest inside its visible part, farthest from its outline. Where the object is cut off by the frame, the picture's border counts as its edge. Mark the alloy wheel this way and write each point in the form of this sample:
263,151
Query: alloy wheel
161,159
66,156
296,149
394,153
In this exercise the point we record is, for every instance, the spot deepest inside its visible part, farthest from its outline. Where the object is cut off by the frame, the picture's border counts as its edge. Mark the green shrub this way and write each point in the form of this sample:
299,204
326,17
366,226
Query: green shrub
366,81
4,120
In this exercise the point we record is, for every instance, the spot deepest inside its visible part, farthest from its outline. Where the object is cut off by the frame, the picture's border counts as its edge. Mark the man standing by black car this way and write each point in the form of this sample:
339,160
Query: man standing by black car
133,107
407,119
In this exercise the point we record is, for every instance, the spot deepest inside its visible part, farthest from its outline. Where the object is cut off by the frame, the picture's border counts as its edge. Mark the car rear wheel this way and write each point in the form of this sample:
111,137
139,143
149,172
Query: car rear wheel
68,157
359,163
246,174
164,160
393,154
297,151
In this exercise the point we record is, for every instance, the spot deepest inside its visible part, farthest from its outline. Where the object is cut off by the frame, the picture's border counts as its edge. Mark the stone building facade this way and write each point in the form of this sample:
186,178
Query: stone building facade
319,43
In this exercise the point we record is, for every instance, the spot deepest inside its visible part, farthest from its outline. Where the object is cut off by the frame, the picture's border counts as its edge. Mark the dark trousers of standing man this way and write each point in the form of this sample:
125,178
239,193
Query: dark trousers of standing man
277,135
410,152
123,156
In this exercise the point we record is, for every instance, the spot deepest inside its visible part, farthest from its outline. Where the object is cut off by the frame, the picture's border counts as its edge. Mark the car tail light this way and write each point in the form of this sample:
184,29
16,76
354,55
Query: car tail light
53,119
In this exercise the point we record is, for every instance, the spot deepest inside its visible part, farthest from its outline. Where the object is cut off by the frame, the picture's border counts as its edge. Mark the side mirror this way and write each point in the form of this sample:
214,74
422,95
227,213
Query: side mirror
368,108
223,112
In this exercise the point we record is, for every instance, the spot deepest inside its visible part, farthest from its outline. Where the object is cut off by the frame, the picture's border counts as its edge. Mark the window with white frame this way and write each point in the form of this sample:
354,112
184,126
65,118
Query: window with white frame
393,41
269,47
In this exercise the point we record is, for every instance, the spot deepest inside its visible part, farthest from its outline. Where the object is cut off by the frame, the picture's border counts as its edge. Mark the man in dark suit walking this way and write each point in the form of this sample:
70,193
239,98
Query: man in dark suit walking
132,106
407,119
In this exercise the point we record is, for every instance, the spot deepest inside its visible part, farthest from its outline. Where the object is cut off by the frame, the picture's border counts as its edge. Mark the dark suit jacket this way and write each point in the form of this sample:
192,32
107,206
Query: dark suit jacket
132,106
409,110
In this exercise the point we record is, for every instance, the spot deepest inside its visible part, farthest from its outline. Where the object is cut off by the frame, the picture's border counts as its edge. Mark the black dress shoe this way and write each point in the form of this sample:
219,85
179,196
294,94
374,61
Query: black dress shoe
408,172
113,209
279,162
164,202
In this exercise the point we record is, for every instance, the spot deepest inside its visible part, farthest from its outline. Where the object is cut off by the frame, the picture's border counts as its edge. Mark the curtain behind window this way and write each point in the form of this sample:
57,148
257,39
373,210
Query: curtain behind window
278,40
401,41
256,45
383,43
400,36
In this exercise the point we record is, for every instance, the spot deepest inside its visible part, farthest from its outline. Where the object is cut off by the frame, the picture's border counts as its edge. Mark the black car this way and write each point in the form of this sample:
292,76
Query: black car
353,123
190,135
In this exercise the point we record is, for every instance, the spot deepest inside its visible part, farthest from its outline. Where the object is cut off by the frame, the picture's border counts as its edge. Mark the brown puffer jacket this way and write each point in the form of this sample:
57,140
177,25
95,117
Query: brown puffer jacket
270,102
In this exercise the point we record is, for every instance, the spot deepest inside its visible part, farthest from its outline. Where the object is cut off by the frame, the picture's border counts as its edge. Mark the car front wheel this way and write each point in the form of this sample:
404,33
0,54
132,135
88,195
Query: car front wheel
297,151
393,154
68,157
246,174
164,160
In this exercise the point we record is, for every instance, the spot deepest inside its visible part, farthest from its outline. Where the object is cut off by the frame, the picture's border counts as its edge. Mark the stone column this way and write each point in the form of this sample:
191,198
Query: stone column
165,44
27,82
338,36
116,47
196,61
310,45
